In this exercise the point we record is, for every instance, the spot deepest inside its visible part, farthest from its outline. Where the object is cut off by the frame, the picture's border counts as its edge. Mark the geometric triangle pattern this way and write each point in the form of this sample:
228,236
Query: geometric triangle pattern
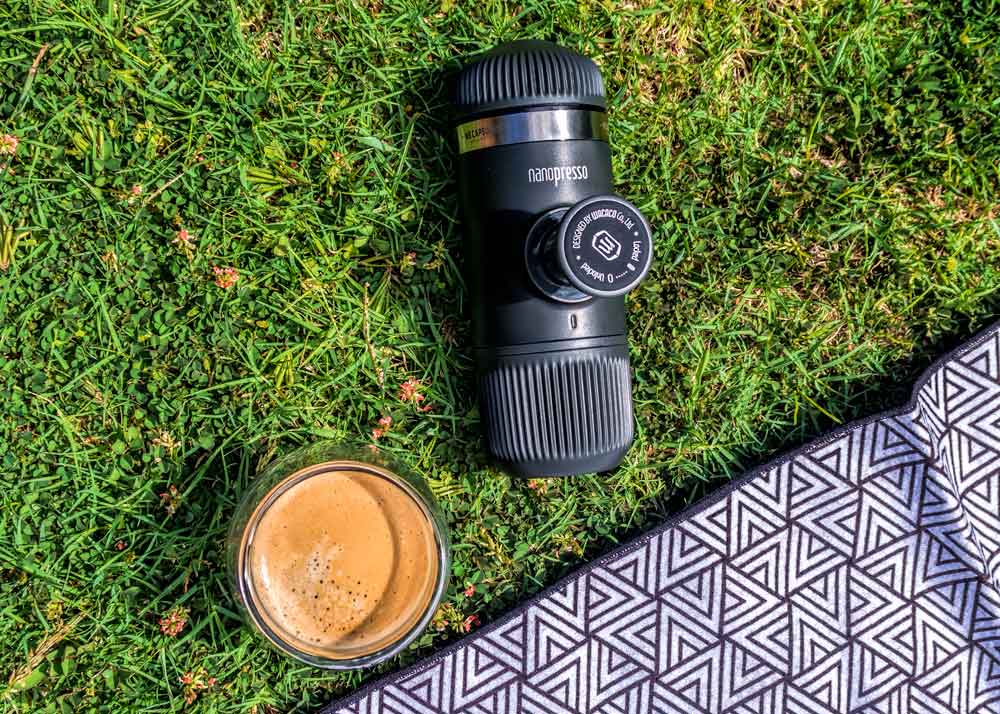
860,573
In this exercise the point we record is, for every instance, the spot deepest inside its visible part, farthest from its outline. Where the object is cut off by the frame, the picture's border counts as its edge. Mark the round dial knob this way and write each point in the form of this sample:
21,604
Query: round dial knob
604,246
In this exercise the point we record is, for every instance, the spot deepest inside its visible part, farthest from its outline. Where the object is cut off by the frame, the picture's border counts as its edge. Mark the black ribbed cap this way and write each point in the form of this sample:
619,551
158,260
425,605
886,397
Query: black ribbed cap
527,73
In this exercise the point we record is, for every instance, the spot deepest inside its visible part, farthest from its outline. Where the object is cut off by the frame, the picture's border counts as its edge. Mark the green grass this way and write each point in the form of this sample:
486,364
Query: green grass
822,179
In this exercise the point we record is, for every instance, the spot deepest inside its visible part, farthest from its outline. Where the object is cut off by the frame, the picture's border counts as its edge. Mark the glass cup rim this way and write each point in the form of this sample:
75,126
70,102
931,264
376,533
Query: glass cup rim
243,581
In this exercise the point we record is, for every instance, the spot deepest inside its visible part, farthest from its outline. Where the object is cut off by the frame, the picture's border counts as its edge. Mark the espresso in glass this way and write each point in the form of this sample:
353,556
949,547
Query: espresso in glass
338,562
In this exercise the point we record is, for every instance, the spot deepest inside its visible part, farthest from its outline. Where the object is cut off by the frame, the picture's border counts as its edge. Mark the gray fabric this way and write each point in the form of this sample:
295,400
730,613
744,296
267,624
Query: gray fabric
858,574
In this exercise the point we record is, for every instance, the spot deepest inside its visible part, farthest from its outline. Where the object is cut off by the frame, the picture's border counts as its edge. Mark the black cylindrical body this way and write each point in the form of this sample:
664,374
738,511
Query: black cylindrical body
554,376
499,206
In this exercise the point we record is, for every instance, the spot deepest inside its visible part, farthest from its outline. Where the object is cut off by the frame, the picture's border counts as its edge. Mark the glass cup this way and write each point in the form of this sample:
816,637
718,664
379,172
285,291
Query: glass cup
337,557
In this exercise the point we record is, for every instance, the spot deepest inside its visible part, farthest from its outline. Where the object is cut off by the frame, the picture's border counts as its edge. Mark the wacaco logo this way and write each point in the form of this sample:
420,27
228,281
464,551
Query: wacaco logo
555,174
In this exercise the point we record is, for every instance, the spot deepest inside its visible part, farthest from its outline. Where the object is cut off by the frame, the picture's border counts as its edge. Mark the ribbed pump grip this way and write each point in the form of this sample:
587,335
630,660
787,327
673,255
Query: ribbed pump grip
527,73
561,413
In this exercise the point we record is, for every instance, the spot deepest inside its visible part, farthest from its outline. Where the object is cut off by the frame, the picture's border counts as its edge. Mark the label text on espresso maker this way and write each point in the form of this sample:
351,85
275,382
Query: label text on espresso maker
555,174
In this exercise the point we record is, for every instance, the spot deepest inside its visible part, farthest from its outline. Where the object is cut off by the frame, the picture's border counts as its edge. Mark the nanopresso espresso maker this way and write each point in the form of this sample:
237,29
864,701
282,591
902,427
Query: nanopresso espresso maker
550,253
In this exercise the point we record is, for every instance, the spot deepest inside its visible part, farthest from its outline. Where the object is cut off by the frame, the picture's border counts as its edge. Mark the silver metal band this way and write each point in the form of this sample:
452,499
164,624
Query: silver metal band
542,125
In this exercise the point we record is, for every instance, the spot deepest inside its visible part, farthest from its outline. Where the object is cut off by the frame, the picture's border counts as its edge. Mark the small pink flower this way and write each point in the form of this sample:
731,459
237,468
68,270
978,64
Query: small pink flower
539,485
8,144
121,545
470,622
184,240
136,190
383,426
409,391
470,590
226,277
195,682
174,622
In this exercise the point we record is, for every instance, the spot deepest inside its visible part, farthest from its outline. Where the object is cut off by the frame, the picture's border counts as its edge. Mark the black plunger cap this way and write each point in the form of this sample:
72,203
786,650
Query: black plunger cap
524,74
604,246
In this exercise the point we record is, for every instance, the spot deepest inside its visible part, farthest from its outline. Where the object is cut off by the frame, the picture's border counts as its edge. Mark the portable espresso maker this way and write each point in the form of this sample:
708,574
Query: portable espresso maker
551,252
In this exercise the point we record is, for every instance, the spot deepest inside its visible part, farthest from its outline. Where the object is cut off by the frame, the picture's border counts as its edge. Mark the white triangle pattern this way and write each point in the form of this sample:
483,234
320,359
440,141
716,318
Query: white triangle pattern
861,574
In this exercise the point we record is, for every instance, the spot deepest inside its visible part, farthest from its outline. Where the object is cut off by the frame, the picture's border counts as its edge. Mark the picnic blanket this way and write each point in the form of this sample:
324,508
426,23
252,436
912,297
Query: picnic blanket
857,574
